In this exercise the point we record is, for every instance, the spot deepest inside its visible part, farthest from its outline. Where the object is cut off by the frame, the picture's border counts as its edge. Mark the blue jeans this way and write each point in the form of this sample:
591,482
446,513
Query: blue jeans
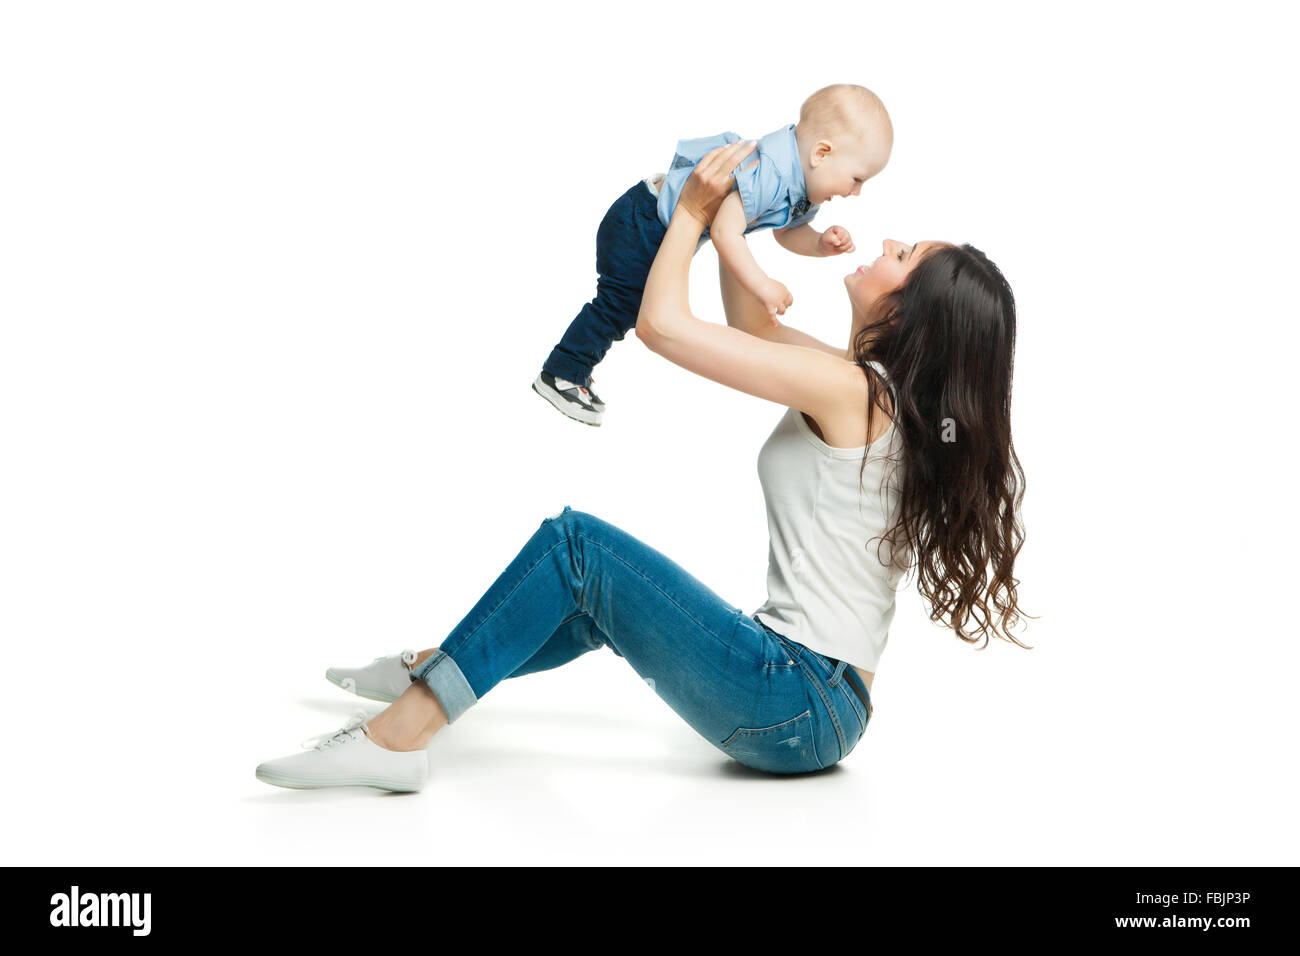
580,583
626,244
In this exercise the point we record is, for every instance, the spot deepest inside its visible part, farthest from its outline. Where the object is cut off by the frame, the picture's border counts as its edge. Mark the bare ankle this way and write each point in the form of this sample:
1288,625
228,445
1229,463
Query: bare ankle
381,737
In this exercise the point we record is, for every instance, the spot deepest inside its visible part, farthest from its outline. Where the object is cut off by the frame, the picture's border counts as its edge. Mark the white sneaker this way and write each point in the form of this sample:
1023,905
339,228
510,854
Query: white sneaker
348,758
383,679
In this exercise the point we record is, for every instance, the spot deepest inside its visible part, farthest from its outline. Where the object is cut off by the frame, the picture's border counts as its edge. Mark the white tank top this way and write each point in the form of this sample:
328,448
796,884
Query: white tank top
826,587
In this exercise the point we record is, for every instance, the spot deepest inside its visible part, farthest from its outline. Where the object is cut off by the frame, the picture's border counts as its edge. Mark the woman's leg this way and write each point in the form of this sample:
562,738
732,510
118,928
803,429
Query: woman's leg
573,638
729,678
412,725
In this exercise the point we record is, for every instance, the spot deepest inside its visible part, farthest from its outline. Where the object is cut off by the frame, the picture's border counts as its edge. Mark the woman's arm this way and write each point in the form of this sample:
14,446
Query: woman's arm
809,379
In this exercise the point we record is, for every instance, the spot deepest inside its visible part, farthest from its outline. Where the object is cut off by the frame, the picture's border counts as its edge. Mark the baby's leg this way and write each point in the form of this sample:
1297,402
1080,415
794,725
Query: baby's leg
626,244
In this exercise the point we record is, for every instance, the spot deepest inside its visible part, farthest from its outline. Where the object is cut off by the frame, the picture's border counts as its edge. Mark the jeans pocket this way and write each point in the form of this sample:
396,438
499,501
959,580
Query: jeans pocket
787,747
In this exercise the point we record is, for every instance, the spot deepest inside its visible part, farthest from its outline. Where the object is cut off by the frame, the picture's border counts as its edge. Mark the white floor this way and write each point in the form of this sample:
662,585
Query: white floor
989,759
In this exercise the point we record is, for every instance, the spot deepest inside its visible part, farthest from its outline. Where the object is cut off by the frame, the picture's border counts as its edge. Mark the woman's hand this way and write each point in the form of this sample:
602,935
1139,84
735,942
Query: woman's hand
712,179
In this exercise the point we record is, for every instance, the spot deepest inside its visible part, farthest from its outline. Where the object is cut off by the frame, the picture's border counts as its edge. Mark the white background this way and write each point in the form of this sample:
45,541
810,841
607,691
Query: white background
277,278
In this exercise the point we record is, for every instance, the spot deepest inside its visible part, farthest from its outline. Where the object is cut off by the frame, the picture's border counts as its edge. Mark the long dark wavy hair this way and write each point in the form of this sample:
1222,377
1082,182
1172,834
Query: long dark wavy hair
947,339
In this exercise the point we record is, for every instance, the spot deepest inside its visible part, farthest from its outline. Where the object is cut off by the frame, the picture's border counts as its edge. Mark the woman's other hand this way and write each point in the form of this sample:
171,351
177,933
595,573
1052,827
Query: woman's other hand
712,179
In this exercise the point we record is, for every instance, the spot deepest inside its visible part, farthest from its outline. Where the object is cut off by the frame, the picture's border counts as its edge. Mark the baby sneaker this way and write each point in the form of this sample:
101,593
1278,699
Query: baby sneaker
383,679
348,758
596,403
571,399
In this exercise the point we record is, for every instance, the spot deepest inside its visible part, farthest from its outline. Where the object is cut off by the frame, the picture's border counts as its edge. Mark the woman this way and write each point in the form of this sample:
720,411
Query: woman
928,474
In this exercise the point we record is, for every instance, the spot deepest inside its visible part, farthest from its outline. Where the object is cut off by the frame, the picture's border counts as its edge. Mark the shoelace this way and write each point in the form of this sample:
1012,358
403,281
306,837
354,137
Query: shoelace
407,656
344,733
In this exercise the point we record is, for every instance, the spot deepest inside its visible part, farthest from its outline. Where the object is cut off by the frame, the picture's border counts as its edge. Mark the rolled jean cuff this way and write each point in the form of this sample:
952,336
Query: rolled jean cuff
448,684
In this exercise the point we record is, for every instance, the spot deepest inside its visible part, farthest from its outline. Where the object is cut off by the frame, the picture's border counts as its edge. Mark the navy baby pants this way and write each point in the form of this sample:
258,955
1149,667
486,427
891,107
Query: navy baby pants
626,244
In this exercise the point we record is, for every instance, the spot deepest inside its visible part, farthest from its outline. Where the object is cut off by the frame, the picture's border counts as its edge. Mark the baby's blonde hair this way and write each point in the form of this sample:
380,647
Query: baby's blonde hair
844,109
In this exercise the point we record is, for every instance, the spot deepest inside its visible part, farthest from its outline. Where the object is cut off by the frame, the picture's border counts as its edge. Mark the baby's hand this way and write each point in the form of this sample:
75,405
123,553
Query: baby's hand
836,241
775,297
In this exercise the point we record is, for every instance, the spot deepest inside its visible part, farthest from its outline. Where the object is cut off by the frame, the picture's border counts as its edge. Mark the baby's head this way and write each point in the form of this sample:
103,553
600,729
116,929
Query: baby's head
844,138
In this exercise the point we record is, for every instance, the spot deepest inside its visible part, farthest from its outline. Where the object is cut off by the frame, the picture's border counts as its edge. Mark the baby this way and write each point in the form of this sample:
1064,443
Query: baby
842,139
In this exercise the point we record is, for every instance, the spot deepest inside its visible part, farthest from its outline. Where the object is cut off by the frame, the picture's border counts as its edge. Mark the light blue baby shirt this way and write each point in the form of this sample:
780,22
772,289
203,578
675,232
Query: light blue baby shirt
773,192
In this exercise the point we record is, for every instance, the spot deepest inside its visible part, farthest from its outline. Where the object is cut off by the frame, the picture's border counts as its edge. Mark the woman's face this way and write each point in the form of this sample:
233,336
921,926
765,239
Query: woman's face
897,259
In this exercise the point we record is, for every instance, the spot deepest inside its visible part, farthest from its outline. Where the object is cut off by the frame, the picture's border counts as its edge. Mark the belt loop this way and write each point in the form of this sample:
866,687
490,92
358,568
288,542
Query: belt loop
838,675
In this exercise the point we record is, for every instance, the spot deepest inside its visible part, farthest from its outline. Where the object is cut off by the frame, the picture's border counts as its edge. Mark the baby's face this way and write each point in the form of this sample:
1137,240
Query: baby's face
841,169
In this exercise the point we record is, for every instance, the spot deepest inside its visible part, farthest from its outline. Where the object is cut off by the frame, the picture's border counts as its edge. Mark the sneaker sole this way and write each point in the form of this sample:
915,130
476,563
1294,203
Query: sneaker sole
365,692
565,407
291,782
